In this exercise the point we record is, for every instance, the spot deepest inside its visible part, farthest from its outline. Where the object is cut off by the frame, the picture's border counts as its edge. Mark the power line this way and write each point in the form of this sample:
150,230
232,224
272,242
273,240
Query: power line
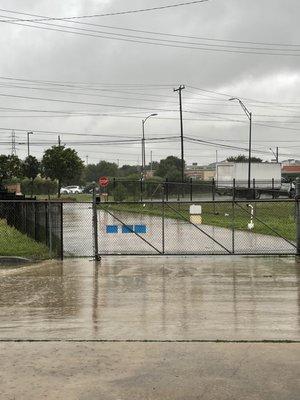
163,33
113,13
158,42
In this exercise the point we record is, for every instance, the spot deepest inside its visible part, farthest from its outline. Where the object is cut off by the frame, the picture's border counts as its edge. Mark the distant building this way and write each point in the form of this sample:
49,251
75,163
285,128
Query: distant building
200,173
291,171
290,161
149,174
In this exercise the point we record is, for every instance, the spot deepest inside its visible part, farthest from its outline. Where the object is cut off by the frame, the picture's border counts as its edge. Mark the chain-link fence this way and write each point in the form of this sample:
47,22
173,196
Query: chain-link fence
161,227
23,224
228,227
140,190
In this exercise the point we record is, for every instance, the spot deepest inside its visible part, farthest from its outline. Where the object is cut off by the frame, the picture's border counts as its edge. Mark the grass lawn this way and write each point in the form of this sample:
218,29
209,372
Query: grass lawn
271,217
67,197
15,243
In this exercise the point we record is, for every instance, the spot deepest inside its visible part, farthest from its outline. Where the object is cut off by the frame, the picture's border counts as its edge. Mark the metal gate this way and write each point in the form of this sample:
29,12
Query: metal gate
222,228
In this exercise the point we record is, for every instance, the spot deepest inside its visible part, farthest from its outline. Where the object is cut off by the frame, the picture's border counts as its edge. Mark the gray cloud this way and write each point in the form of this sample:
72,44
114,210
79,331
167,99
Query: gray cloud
46,55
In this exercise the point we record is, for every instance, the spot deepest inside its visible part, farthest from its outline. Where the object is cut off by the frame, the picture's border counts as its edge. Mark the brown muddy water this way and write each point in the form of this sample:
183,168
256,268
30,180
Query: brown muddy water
152,298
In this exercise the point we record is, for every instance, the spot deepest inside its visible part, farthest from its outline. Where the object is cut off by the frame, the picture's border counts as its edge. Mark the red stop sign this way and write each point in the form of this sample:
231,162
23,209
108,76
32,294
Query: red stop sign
103,181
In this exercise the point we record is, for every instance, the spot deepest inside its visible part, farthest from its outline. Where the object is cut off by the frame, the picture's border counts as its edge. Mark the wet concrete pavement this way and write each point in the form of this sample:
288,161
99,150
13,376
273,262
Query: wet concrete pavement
144,371
158,299
153,298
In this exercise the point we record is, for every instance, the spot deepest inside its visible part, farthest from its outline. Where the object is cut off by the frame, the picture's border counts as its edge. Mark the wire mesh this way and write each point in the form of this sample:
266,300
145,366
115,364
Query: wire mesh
229,227
153,227
39,221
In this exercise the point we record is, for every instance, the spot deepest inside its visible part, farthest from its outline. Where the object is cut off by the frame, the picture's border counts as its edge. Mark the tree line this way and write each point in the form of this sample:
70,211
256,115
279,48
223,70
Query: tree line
61,166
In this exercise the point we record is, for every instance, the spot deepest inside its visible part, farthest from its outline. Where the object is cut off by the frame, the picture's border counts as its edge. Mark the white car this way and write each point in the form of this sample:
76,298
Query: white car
71,190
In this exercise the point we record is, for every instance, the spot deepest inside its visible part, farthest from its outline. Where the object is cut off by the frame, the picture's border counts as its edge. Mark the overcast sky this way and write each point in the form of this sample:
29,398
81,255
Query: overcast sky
127,80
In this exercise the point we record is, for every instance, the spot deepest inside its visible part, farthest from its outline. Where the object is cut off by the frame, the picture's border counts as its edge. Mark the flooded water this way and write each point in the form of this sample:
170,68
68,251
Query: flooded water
153,298
180,237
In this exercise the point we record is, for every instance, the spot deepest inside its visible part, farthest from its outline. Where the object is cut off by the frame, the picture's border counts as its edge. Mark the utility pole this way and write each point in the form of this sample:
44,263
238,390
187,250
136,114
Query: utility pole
179,90
151,160
13,143
59,142
28,148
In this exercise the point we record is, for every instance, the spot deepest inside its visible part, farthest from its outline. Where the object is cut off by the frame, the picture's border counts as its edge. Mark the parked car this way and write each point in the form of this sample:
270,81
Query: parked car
71,190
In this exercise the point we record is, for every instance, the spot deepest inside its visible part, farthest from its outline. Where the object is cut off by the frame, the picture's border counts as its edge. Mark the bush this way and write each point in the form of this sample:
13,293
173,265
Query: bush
120,192
39,186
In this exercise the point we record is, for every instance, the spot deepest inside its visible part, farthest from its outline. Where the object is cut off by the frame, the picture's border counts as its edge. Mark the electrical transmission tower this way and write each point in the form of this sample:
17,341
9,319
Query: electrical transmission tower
13,143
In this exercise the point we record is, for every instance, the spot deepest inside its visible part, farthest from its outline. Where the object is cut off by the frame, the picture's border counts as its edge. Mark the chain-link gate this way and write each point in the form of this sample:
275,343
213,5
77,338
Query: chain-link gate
74,229
229,227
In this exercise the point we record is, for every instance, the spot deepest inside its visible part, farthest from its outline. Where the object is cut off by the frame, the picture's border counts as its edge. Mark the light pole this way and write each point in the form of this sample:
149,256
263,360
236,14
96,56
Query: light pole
143,143
276,155
28,149
249,115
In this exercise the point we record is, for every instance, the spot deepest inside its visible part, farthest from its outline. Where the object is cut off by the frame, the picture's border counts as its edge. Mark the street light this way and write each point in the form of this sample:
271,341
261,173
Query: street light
143,143
276,155
249,115
28,150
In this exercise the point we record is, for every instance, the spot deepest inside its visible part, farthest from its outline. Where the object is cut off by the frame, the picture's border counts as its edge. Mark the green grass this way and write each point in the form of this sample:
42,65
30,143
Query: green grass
15,243
66,197
271,218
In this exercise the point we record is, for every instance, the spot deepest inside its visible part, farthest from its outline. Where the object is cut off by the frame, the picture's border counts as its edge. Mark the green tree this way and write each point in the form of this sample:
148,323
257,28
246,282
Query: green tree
170,168
62,164
127,170
10,167
241,158
104,168
120,192
31,168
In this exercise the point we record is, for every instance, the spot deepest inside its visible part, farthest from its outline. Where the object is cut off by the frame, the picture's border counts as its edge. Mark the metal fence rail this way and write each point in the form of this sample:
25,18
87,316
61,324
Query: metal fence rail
41,221
191,190
74,229
228,227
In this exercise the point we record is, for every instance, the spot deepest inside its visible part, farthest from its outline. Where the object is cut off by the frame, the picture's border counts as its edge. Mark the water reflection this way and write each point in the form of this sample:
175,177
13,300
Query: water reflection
153,298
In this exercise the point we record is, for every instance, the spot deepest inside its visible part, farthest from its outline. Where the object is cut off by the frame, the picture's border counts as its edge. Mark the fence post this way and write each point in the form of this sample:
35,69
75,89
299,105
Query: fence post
141,189
191,189
297,199
35,222
163,221
61,231
95,227
167,189
213,191
213,188
233,216
50,228
46,225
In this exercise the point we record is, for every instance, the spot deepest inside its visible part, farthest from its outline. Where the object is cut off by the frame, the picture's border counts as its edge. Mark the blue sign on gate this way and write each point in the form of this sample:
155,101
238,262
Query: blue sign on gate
112,229
139,229
127,229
